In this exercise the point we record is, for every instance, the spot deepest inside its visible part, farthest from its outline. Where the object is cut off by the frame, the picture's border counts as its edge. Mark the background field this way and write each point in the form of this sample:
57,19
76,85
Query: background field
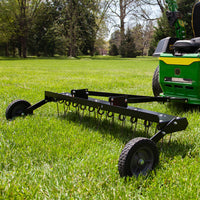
46,156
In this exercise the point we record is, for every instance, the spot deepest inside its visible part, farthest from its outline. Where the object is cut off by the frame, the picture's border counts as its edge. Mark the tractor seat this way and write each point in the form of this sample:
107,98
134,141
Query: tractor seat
187,46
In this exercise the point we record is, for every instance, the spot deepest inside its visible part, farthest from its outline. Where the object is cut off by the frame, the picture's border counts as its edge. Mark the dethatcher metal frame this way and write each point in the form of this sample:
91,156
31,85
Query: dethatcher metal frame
140,155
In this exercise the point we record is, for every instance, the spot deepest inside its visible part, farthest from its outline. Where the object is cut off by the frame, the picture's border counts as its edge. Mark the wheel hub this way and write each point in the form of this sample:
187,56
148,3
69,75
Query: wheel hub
141,162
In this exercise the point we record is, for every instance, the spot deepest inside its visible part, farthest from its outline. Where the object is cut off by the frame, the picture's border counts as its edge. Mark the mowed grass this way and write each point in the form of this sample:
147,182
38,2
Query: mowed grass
46,156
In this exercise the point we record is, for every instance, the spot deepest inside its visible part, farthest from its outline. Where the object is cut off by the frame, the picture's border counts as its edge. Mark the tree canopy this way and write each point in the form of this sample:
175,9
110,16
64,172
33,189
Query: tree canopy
74,27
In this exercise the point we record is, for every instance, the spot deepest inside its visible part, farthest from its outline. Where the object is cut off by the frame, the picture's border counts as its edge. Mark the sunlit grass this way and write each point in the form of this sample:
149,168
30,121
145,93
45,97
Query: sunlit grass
46,156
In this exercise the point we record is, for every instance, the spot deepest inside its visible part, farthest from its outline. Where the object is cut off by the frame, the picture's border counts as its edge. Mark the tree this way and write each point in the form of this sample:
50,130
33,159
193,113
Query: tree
7,24
45,33
115,39
18,16
128,47
25,12
46,27
122,9
185,8
80,26
133,11
113,50
163,28
138,34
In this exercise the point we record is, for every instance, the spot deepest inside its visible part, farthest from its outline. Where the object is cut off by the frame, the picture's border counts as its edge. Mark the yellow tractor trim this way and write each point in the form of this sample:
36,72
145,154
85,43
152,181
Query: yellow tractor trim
179,61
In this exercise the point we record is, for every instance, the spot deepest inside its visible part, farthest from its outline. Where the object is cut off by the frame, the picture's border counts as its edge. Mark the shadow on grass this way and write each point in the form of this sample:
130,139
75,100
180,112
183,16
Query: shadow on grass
125,133
181,108
106,127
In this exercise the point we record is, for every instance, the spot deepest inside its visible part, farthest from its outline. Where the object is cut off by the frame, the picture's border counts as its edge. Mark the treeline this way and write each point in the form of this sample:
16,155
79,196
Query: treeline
35,27
75,27
136,41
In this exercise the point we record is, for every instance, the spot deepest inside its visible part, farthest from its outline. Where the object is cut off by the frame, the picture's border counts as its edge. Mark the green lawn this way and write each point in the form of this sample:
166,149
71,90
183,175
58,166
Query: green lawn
46,156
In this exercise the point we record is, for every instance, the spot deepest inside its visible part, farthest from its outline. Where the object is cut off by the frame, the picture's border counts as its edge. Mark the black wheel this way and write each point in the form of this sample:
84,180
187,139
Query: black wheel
155,83
17,108
139,156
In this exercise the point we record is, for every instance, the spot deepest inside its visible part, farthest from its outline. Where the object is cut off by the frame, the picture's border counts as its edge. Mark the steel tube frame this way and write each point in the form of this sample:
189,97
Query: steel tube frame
118,103
166,123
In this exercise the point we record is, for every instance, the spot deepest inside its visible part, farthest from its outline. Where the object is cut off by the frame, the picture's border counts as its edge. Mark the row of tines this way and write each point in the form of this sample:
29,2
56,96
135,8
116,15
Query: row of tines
99,114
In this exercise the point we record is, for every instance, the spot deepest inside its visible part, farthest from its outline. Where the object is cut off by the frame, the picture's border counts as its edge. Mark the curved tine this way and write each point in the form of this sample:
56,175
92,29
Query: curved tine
61,101
100,112
109,114
147,125
113,119
91,109
133,120
122,117
58,109
75,104
83,107
170,137
66,103
64,110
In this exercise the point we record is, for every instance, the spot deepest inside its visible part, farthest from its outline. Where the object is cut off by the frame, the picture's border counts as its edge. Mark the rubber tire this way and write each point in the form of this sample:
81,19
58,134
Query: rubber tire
155,83
128,154
17,108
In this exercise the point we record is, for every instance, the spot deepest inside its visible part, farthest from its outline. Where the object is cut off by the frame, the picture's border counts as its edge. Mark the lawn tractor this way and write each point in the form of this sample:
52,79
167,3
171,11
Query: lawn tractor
178,73
176,79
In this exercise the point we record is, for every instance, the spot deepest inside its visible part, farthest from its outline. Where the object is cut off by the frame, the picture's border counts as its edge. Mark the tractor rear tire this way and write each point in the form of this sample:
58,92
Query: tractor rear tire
139,156
155,83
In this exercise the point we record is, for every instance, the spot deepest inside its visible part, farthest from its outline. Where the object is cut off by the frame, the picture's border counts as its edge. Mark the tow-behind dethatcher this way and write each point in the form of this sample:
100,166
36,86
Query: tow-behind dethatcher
140,154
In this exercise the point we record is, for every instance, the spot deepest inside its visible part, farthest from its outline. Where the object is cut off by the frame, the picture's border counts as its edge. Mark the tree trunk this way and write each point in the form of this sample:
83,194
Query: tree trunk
24,46
6,50
122,28
23,29
122,23
72,32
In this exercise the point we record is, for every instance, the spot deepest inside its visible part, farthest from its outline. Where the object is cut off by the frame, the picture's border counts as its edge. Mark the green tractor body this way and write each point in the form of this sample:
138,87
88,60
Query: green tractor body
179,76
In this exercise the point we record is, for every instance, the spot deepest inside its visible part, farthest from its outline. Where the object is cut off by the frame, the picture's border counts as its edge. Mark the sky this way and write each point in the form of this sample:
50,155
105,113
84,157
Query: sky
153,11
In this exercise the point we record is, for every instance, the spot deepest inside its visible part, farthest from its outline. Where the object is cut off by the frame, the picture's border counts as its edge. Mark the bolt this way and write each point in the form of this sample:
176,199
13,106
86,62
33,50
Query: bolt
163,132
141,161
175,123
